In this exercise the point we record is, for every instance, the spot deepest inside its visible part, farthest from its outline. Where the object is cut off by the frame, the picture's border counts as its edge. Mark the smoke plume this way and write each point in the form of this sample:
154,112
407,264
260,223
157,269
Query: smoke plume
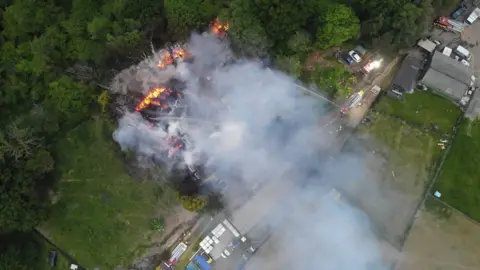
253,128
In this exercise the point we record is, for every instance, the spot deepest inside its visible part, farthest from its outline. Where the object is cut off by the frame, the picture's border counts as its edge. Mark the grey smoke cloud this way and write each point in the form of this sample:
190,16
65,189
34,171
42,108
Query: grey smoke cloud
255,127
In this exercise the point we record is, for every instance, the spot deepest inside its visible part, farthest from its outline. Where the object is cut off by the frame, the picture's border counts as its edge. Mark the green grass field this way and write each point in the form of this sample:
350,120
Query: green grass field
103,216
410,150
62,261
459,181
423,108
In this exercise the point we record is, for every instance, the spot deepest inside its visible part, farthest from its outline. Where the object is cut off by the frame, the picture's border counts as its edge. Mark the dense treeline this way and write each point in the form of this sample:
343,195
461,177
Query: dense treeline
53,52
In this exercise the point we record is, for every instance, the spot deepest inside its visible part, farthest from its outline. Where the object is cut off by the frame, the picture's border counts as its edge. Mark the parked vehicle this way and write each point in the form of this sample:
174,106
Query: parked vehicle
355,56
473,16
458,12
449,24
463,53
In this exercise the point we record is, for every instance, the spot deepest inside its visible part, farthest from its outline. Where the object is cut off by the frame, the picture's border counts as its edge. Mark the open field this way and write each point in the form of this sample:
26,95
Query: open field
398,161
459,180
441,243
102,215
423,108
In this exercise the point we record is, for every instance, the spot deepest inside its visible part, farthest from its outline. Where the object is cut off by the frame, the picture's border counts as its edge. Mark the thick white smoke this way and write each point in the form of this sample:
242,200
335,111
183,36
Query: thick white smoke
254,127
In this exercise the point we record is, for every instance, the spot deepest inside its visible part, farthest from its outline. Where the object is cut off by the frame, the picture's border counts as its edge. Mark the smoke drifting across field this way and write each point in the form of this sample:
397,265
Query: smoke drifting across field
254,125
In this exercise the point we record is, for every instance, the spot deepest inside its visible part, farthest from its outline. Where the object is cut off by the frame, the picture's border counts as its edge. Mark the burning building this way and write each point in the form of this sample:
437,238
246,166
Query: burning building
219,28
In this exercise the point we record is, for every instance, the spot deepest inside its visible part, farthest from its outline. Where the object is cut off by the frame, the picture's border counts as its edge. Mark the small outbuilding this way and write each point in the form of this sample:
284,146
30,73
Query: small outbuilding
427,45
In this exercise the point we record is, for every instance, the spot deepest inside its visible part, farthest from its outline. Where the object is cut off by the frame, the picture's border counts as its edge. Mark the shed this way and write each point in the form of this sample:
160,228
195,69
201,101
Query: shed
427,45
448,77
407,76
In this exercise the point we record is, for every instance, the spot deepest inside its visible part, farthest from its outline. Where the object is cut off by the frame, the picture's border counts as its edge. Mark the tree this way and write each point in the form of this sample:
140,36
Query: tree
246,31
69,98
20,251
193,203
26,18
184,16
339,24
290,65
336,80
282,18
300,43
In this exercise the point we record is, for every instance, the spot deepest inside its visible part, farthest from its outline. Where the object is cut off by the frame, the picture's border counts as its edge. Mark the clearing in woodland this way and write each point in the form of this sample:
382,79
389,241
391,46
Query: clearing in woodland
102,216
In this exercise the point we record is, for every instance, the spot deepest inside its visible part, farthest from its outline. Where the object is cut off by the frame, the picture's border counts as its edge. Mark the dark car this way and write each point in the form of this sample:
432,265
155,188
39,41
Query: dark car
348,59
458,12
53,258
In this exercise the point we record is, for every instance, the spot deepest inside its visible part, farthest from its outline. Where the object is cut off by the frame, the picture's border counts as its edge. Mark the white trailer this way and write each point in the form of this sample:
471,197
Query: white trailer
461,51
473,16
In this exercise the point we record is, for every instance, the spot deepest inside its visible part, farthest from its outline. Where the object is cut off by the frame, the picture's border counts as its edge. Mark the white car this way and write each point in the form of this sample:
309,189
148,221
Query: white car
355,56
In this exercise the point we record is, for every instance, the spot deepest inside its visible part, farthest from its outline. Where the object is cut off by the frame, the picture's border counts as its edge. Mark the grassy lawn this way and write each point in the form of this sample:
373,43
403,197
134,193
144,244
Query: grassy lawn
102,216
423,108
459,181
408,149
62,261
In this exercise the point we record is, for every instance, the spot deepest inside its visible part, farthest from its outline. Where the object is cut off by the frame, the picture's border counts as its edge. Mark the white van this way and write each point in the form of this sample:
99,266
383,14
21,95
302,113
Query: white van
461,51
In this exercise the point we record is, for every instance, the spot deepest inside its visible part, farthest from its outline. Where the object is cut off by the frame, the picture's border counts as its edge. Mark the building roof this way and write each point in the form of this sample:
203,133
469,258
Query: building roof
473,110
448,86
407,76
427,44
451,67
448,76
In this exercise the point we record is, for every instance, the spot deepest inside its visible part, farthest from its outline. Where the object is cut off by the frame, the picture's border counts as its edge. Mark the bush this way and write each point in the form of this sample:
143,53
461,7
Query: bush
158,224
193,203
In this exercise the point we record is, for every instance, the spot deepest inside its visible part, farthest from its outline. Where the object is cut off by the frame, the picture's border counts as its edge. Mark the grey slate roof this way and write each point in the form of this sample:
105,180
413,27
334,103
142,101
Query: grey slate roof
447,85
407,76
448,76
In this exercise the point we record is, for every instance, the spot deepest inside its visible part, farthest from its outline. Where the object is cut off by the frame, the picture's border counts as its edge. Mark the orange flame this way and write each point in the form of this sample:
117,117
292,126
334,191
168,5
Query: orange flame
219,28
179,52
166,60
148,99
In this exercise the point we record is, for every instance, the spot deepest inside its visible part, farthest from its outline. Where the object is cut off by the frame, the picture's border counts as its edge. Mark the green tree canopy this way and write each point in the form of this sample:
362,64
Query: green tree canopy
184,16
339,24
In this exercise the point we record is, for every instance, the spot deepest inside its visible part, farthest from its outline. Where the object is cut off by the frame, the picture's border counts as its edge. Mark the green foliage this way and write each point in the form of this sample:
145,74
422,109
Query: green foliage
246,30
393,25
335,80
422,108
300,43
193,203
103,100
291,65
158,224
23,163
338,24
102,214
20,251
184,16
70,99
458,181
